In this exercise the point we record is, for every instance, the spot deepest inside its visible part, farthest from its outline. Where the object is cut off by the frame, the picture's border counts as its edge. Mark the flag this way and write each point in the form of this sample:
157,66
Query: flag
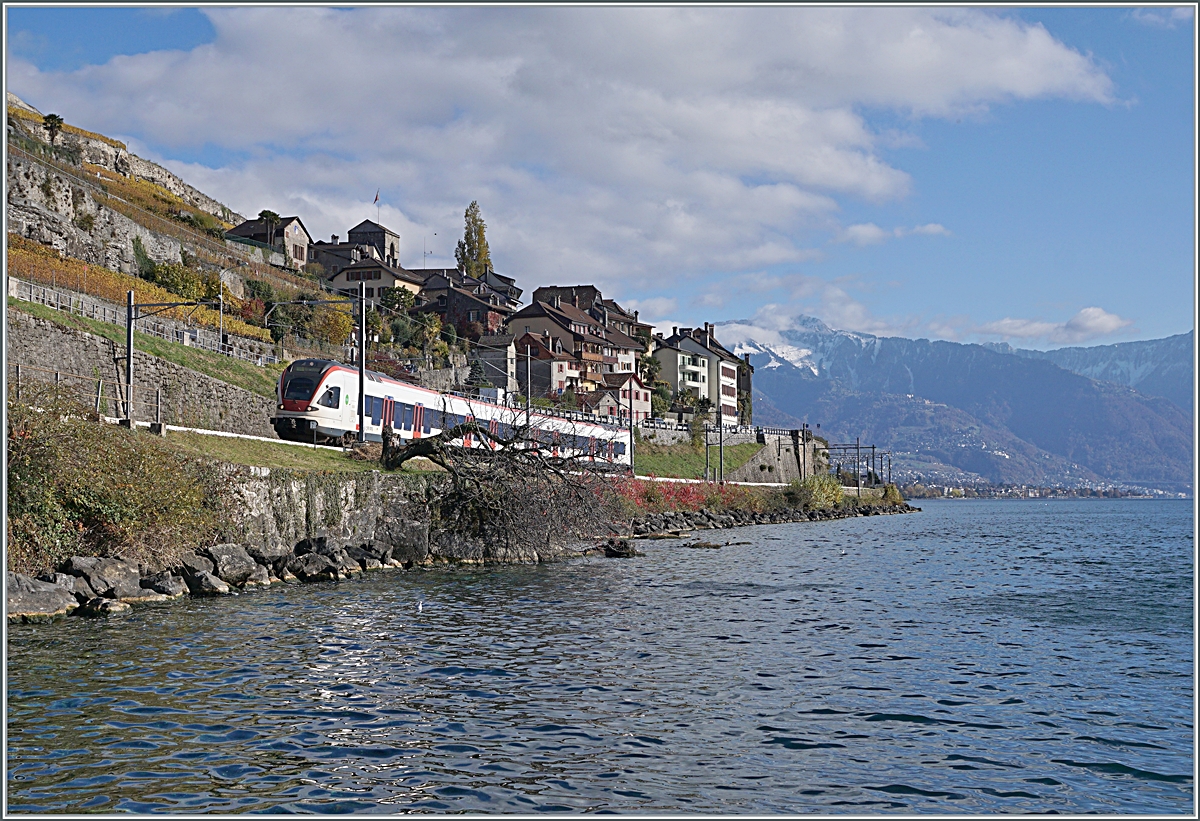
376,197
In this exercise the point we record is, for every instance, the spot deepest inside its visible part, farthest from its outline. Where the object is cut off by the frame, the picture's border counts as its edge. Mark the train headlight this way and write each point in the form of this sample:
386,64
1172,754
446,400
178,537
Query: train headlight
279,406
312,408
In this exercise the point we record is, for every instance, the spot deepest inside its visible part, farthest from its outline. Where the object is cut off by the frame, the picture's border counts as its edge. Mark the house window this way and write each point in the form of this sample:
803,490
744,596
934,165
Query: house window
370,292
442,300
472,316
297,252
560,368
376,274
352,276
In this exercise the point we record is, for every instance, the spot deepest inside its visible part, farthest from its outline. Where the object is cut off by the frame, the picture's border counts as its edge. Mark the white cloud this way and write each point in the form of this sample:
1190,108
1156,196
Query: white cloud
1087,325
603,144
871,234
864,234
653,309
1164,17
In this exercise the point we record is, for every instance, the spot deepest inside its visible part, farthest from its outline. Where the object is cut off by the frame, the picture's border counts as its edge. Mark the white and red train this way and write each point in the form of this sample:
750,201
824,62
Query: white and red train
318,402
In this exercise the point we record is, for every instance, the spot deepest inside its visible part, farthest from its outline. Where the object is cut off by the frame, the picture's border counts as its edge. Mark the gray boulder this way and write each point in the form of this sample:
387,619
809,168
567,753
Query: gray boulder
101,607
231,561
34,600
260,577
165,583
273,557
76,584
312,567
203,583
194,563
405,541
111,578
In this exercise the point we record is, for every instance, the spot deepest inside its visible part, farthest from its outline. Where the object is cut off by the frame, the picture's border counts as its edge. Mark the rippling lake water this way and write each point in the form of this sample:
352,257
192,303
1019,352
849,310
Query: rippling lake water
1008,656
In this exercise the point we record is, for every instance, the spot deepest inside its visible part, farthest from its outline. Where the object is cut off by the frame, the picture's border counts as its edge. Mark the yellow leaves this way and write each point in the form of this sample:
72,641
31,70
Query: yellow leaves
35,262
22,114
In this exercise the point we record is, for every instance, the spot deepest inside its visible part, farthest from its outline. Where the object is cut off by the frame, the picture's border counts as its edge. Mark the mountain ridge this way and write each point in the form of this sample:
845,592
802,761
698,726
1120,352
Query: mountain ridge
997,415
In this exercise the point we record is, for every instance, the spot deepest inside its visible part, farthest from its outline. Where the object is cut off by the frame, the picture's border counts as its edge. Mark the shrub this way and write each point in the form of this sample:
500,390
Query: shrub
80,486
821,492
891,495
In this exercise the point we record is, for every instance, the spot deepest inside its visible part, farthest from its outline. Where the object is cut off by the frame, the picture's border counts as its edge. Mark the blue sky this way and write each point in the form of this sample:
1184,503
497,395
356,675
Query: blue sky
1023,175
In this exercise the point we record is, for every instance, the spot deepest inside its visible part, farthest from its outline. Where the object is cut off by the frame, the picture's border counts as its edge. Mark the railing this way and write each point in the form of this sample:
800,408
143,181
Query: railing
77,305
95,392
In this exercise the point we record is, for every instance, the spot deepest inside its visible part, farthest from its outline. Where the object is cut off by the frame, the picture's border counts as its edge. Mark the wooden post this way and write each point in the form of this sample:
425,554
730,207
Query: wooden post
17,367
99,393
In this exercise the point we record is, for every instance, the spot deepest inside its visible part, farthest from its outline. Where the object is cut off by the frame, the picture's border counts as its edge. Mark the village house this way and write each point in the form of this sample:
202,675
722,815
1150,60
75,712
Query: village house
377,276
385,241
694,361
588,299
498,356
465,303
334,256
597,349
504,286
629,389
545,367
288,236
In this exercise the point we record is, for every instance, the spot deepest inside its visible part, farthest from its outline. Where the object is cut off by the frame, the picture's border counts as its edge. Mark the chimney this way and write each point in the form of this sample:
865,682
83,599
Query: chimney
635,313
335,239
674,330
574,298
557,302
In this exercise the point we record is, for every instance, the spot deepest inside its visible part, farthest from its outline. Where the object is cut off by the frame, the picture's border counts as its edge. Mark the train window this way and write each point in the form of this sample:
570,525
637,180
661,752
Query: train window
332,398
406,412
298,387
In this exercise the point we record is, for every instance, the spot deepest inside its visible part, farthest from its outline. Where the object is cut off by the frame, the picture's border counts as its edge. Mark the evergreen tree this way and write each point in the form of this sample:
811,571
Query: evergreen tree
472,253
54,124
270,220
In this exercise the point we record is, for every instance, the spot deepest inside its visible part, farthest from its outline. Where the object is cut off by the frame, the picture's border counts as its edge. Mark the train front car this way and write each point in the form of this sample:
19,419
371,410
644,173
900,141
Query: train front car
309,409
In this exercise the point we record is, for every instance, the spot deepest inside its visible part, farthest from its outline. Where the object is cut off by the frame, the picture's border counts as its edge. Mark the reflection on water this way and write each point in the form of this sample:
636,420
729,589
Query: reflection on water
976,657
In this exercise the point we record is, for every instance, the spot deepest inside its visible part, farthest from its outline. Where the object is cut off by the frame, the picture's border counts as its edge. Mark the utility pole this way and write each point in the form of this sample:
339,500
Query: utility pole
362,361
528,382
706,473
721,449
857,468
631,426
129,309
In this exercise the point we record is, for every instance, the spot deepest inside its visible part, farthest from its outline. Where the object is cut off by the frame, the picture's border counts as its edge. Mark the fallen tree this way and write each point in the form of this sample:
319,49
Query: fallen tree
513,491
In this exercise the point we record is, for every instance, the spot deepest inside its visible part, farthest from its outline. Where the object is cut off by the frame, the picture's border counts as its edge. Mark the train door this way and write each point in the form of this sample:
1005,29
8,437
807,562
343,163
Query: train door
494,428
418,421
467,438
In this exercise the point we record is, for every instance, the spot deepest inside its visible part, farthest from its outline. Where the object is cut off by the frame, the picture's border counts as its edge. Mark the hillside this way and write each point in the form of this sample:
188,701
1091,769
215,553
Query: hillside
949,409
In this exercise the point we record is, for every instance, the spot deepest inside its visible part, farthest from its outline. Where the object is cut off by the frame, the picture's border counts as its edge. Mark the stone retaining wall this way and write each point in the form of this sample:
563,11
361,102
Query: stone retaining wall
189,398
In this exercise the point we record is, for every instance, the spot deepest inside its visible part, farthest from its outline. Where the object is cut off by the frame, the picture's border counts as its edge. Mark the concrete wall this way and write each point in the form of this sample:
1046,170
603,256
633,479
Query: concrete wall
188,398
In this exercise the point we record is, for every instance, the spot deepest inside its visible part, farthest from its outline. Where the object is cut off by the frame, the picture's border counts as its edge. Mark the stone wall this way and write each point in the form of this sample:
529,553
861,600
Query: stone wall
189,398
276,510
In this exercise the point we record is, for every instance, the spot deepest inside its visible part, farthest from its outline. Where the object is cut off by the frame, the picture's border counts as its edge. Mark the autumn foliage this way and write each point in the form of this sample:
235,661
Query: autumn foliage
35,262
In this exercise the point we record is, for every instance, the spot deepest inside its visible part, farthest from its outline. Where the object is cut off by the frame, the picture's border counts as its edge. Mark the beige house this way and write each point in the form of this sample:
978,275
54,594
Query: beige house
378,277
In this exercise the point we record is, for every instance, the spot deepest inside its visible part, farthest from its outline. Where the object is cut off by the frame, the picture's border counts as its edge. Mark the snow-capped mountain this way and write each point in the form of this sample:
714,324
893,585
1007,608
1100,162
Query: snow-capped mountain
946,406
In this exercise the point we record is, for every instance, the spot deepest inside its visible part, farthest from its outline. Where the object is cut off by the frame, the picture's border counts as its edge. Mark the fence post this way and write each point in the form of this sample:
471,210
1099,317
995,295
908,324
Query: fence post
17,367
158,405
99,393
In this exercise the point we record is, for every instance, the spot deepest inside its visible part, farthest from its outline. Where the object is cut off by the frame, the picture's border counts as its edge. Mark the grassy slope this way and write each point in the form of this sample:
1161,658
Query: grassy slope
687,462
259,380
275,454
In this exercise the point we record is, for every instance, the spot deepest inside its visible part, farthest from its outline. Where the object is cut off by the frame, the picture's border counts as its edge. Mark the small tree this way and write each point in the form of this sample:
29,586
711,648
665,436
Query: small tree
476,378
397,299
472,254
54,124
649,368
270,221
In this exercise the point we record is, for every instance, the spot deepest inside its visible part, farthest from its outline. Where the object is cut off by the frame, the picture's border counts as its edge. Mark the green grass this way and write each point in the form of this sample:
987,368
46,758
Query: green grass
687,462
274,454
256,379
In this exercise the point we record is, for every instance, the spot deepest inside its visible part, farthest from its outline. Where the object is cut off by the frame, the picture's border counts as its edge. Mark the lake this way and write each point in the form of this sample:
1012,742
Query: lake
977,657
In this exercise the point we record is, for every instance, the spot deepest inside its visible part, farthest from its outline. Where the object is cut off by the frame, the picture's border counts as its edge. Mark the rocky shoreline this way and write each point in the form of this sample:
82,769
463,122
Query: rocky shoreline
102,587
